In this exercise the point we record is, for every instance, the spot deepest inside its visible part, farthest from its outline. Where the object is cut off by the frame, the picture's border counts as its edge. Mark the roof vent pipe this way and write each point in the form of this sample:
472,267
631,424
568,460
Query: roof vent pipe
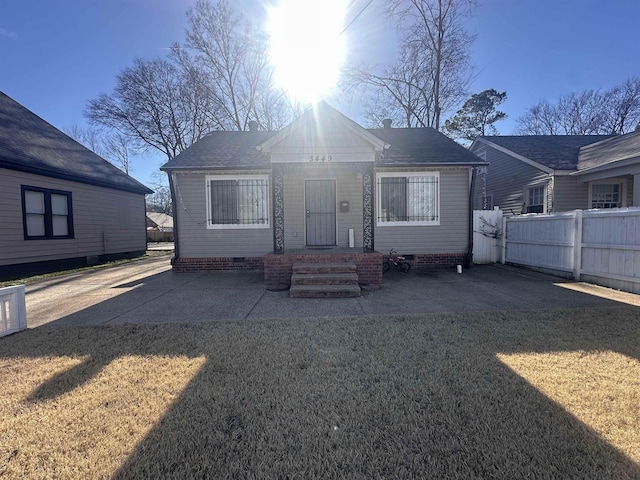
386,123
253,126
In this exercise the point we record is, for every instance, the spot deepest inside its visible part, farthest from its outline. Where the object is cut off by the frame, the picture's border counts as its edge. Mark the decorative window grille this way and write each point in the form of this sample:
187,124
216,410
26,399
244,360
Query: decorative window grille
238,202
413,199
606,195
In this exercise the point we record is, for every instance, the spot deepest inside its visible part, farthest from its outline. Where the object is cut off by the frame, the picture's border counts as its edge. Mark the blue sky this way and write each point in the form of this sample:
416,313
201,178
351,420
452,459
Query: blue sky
55,55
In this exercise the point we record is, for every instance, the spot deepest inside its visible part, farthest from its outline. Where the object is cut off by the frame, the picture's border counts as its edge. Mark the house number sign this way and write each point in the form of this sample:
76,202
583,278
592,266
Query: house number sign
320,158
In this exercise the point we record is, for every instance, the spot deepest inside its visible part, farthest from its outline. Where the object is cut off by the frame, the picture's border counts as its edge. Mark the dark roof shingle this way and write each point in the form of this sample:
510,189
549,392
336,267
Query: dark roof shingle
559,152
409,146
422,145
30,144
611,150
224,149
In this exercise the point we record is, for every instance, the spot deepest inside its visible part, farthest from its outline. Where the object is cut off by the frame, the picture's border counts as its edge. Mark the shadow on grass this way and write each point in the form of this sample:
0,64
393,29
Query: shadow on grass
369,397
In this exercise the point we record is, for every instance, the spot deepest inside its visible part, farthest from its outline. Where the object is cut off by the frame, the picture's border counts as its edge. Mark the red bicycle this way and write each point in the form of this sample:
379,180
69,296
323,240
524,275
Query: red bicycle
398,261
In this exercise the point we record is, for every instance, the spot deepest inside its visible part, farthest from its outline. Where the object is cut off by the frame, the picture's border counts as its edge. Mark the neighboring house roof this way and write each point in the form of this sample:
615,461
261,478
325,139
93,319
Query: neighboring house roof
160,219
612,150
406,146
557,152
30,144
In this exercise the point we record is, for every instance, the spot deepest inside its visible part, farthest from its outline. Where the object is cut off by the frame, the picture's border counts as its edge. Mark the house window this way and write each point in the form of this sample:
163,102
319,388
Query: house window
238,201
410,199
46,213
606,195
535,199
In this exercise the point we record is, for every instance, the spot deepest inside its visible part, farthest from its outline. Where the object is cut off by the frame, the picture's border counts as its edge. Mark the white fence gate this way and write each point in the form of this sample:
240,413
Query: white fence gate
487,233
13,314
598,246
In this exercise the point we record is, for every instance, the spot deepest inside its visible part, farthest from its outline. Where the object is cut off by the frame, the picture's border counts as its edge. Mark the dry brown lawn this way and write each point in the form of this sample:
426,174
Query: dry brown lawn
548,394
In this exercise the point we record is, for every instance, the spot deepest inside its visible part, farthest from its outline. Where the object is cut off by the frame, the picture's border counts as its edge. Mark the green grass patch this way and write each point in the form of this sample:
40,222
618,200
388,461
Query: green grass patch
479,395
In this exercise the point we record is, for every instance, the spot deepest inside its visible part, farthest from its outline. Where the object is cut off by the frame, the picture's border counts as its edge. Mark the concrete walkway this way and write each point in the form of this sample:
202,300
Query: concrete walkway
148,291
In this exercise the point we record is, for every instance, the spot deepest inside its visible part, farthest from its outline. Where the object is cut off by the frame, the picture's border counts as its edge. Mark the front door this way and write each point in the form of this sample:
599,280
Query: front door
320,205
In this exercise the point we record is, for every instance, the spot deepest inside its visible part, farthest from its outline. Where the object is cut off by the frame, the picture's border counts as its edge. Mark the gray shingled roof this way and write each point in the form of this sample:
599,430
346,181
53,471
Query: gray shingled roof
611,150
559,152
422,145
223,149
30,144
231,149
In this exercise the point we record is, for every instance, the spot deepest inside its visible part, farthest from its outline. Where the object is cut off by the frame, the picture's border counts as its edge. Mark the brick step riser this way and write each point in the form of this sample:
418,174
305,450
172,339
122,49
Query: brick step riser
320,294
325,279
321,269
310,281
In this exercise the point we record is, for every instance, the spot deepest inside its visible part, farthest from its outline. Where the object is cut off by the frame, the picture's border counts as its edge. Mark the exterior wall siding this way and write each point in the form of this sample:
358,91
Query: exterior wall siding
450,237
105,221
569,194
505,180
198,241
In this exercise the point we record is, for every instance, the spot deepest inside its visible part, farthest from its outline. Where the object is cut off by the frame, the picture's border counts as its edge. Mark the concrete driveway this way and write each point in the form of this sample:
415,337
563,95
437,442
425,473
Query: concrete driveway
148,291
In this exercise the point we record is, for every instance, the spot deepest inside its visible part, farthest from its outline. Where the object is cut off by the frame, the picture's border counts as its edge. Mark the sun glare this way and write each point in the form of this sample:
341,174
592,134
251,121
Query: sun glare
307,46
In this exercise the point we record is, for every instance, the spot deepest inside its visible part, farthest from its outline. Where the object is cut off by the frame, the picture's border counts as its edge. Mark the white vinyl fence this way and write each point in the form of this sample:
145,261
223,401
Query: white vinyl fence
597,246
13,314
487,233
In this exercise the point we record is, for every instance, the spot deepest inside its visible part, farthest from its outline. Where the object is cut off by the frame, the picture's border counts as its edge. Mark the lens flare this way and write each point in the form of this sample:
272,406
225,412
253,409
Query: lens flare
307,46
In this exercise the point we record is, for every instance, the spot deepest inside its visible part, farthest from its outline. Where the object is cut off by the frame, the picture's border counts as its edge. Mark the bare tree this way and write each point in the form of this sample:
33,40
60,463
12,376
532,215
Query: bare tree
118,150
89,137
154,105
433,70
614,111
233,59
113,146
621,107
160,199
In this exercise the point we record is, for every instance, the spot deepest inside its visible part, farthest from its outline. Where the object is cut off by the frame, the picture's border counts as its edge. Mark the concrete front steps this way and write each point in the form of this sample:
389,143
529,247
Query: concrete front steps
324,280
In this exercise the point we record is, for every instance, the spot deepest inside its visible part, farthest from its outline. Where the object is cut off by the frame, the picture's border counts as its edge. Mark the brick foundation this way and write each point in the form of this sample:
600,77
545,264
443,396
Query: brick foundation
217,264
423,262
277,267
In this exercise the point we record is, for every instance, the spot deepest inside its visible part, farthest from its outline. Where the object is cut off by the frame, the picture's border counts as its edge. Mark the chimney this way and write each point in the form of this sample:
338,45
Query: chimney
386,123
253,126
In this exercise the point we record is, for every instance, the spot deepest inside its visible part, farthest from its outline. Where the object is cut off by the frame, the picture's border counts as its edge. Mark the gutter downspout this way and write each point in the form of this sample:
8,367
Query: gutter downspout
174,206
469,256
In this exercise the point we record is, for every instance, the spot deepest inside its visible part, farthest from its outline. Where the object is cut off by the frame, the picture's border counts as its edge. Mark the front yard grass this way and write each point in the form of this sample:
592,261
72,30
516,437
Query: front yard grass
547,394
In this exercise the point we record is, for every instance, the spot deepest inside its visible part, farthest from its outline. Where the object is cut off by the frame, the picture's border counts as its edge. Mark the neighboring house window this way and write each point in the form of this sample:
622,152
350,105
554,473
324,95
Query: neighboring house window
238,201
535,199
46,213
606,195
409,199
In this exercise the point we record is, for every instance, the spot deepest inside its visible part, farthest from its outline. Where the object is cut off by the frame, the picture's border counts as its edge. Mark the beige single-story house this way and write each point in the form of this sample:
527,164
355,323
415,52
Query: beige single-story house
322,189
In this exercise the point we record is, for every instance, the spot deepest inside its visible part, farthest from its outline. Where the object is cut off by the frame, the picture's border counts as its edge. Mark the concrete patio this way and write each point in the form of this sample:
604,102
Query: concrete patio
150,292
